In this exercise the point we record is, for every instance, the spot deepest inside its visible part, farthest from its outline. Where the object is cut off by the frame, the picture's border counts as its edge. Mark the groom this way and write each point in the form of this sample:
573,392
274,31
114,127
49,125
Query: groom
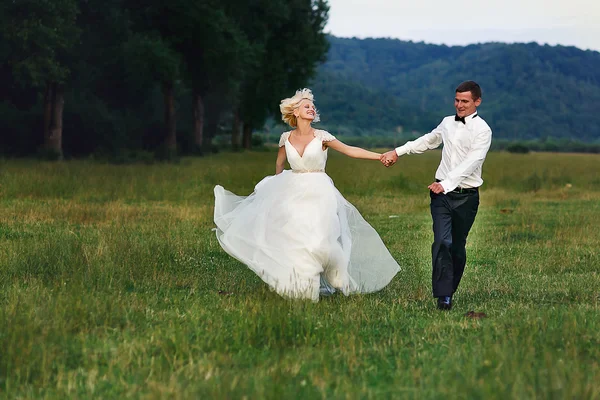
455,192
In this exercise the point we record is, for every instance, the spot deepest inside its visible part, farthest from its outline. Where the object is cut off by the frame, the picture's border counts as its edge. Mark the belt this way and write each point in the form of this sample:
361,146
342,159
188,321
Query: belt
459,189
304,171
465,190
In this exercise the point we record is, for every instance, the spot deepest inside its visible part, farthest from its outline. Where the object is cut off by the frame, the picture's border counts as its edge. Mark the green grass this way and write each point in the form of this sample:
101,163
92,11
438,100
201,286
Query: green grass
110,280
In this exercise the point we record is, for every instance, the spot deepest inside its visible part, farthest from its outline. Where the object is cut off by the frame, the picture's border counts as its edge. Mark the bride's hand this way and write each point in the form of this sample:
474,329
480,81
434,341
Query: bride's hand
388,159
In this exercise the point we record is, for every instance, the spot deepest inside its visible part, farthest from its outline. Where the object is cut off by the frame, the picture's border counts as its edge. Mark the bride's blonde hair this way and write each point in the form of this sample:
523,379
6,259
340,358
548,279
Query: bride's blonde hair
288,106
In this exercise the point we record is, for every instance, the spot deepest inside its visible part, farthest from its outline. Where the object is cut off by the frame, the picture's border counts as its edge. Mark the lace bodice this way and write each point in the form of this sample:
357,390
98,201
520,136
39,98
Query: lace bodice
314,157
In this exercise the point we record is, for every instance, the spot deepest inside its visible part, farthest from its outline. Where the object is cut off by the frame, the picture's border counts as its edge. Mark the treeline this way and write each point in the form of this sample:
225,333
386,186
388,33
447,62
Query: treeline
530,91
111,76
553,145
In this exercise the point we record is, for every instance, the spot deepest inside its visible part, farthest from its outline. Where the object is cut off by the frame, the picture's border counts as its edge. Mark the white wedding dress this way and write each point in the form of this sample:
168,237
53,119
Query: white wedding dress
298,233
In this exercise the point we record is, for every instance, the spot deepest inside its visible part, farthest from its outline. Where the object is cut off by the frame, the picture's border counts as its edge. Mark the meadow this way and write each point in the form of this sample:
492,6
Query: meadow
113,285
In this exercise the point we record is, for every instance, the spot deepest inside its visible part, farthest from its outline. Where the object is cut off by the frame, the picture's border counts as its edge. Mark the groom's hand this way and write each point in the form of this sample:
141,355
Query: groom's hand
388,159
436,188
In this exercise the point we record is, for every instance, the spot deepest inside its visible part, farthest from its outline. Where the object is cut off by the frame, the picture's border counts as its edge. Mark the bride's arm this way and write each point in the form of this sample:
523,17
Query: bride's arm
280,163
352,151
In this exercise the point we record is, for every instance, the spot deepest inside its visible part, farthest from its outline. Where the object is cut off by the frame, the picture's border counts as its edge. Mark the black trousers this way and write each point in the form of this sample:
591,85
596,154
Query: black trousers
453,215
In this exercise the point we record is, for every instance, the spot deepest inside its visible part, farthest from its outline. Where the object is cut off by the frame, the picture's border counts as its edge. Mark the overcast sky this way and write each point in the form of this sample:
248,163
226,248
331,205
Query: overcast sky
565,22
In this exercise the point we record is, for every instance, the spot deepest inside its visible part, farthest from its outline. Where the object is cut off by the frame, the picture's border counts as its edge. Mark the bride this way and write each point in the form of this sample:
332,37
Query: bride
296,231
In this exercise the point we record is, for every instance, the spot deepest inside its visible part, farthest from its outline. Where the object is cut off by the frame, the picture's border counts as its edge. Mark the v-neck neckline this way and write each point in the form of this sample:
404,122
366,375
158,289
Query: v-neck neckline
307,144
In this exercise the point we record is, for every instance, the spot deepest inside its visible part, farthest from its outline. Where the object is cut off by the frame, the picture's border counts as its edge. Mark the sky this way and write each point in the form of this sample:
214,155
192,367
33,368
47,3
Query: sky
565,22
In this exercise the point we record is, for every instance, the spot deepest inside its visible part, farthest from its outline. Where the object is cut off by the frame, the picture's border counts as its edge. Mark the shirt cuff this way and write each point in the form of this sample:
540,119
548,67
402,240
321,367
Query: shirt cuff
402,150
447,185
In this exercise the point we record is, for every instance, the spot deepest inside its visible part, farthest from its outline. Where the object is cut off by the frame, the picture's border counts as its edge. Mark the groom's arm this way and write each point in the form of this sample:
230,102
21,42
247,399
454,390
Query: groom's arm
429,141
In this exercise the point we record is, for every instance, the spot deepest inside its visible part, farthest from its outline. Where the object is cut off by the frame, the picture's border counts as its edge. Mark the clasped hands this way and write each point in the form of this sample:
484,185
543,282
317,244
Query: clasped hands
389,158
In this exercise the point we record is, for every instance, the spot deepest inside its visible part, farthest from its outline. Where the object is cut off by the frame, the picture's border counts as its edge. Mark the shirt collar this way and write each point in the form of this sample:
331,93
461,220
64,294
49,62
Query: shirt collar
470,117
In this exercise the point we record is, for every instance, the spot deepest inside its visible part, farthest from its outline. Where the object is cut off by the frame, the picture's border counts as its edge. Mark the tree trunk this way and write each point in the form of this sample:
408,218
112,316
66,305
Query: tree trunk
210,132
235,130
247,136
48,100
54,105
57,118
198,120
170,121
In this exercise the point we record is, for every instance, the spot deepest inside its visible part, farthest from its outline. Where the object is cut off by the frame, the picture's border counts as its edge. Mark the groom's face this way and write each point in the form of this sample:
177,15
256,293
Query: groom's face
464,104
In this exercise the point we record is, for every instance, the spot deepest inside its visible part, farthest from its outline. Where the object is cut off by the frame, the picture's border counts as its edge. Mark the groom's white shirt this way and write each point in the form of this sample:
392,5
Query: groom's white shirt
465,148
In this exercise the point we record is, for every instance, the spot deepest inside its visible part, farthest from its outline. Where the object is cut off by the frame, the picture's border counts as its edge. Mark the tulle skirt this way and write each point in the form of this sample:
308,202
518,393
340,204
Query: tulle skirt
298,233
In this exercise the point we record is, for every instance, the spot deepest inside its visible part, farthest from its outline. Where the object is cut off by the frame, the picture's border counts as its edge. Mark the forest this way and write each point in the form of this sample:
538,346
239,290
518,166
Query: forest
91,77
119,78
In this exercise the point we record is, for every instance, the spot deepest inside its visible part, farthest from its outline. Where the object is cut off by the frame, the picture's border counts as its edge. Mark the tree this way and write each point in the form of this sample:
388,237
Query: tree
216,52
107,98
152,56
293,47
41,35
258,19
209,46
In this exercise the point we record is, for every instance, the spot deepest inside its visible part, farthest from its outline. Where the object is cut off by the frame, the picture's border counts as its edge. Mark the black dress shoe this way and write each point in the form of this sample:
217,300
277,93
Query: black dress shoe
444,302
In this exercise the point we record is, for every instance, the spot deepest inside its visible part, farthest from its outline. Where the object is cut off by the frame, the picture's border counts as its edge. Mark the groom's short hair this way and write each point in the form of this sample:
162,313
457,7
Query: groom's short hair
470,86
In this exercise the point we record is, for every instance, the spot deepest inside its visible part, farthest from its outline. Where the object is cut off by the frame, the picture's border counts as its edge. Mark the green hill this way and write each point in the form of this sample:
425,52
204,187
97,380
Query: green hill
530,91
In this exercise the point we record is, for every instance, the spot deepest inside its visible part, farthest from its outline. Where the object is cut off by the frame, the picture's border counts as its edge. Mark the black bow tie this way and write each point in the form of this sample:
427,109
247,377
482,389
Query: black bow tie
462,119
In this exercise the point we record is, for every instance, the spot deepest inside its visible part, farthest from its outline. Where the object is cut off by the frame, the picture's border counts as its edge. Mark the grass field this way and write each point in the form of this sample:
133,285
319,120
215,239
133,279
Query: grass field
112,285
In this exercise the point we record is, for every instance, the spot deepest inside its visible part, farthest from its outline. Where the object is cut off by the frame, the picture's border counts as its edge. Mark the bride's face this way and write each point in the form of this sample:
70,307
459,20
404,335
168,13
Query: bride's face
306,110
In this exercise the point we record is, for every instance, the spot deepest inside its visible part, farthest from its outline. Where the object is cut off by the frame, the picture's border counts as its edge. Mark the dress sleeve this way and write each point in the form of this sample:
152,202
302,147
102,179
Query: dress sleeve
283,138
325,136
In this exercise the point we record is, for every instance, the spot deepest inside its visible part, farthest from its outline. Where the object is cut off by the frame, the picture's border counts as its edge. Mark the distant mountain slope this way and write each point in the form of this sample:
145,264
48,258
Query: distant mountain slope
529,91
